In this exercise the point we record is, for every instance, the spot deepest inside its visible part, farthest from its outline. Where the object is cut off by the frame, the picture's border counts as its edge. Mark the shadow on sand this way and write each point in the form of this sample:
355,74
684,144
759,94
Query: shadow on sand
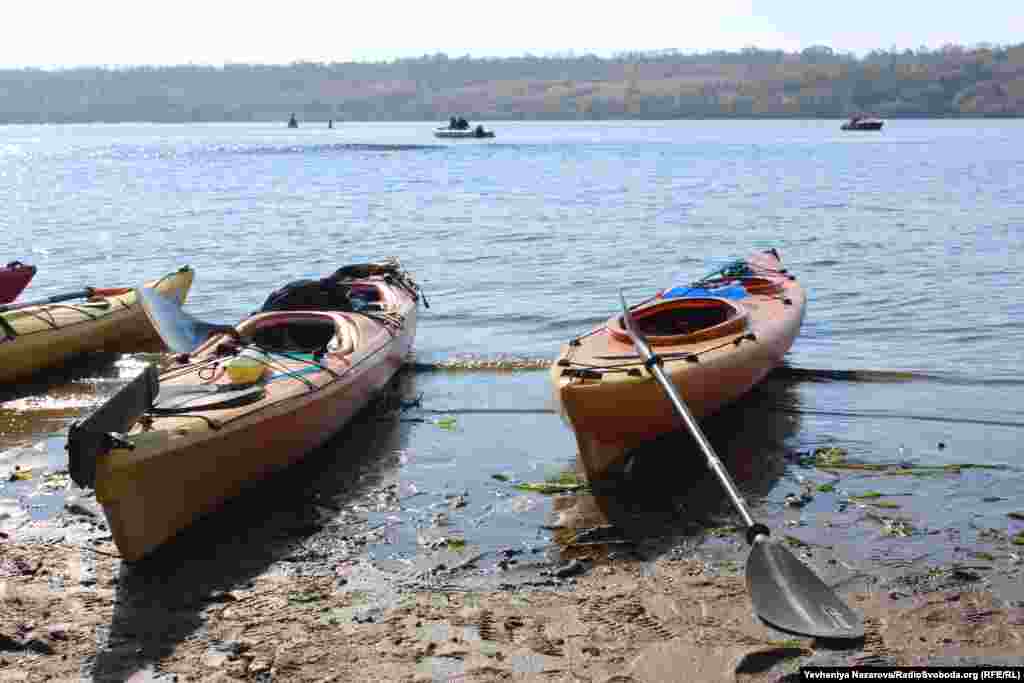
160,599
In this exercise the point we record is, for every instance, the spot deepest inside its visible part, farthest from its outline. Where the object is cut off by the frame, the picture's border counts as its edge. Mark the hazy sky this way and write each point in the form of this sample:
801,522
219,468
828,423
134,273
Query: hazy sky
119,32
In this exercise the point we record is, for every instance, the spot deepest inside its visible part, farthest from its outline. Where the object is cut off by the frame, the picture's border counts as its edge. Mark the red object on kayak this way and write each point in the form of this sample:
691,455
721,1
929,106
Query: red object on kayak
14,277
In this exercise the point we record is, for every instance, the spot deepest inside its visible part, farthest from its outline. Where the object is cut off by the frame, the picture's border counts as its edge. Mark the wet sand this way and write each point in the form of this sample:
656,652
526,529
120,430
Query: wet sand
72,614
396,554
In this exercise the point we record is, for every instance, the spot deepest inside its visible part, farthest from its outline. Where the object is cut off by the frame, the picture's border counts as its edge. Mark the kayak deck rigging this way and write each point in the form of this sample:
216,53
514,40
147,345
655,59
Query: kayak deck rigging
239,402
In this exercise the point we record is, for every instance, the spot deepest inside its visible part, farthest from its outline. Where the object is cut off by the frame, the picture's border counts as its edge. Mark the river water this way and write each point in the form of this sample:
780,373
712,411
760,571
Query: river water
908,242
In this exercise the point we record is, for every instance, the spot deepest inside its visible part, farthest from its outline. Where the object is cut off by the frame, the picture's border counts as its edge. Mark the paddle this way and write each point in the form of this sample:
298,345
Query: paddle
784,591
179,331
86,293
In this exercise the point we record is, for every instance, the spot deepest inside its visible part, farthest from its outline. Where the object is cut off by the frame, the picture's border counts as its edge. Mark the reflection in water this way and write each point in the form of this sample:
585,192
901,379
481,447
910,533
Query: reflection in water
33,416
30,408
670,493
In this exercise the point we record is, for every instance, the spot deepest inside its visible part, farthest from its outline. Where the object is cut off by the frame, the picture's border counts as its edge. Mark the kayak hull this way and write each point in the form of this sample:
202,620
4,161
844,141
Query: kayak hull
37,338
613,404
183,468
14,277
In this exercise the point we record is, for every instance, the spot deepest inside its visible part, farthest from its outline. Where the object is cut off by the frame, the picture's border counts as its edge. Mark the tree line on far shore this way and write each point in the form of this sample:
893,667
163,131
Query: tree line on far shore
818,82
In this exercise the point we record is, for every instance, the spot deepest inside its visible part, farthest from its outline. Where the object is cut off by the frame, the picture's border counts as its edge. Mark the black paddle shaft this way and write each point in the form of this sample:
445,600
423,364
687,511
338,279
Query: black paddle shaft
56,298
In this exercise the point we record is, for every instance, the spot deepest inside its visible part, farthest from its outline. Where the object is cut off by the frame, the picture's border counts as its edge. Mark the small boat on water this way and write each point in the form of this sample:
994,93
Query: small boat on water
460,128
242,401
718,337
863,123
14,277
35,336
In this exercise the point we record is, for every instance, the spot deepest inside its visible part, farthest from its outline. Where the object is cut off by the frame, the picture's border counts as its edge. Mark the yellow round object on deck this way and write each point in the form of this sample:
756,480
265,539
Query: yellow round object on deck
245,369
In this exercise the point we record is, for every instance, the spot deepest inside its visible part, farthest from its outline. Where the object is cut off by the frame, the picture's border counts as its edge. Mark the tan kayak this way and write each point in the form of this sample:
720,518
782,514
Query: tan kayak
252,399
35,338
715,348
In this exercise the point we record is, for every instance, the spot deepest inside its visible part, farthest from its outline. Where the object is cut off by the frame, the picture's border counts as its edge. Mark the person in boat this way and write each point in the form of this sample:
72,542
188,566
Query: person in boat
463,124
453,124
293,122
479,131
330,123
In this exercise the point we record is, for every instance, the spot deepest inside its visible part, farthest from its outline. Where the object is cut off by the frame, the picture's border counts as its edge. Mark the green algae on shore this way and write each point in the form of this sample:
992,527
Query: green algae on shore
447,423
900,469
893,526
836,458
548,488
485,364
795,542
562,482
456,544
872,498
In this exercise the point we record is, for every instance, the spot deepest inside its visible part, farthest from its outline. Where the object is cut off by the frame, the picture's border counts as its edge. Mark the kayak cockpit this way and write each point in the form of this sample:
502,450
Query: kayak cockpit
300,332
683,321
302,336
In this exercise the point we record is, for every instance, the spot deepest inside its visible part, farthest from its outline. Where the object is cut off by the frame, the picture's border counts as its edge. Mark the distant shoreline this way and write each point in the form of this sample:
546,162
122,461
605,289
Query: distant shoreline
816,83
339,123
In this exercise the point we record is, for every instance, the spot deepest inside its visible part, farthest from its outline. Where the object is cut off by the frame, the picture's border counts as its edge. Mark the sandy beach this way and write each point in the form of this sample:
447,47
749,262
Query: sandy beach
613,613
392,564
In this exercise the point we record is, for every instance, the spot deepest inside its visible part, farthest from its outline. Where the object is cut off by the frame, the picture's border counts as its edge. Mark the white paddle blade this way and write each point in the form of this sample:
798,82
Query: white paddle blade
178,330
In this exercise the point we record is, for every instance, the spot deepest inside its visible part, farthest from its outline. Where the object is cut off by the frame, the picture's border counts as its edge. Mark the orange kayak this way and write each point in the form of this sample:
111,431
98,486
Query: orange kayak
718,338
